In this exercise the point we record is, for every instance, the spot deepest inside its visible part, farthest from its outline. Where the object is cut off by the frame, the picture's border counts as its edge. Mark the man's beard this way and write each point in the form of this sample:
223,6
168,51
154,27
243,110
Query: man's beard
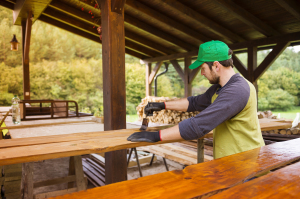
215,79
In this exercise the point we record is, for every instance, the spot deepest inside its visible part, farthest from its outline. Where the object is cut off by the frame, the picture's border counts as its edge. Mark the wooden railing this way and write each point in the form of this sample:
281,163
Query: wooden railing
49,109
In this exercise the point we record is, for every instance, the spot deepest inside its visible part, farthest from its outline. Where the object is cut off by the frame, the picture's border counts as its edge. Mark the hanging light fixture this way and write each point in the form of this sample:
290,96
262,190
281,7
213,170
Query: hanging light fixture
14,43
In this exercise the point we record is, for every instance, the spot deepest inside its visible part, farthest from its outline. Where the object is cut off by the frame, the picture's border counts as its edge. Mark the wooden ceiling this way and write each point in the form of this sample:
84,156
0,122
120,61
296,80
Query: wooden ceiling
164,27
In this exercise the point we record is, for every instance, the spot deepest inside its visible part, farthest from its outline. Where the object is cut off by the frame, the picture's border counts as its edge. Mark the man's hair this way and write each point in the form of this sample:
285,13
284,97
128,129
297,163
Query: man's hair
226,63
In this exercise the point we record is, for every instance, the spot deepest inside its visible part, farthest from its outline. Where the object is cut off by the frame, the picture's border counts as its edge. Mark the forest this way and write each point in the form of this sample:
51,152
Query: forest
66,66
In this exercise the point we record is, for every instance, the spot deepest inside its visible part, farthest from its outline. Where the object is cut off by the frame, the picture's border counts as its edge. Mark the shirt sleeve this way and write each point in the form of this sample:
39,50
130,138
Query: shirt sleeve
200,102
229,103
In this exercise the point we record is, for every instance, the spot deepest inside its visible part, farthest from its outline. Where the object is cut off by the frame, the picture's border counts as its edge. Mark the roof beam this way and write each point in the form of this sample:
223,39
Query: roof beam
151,13
178,69
246,17
7,4
202,20
60,6
84,34
240,66
193,74
291,6
154,72
22,7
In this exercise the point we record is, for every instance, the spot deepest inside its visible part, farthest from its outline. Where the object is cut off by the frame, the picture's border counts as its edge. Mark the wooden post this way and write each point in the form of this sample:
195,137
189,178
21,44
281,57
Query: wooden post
114,93
252,65
187,83
26,34
27,181
148,85
200,150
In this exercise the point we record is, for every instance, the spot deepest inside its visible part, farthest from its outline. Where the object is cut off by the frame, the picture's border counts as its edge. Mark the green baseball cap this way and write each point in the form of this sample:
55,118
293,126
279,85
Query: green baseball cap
211,51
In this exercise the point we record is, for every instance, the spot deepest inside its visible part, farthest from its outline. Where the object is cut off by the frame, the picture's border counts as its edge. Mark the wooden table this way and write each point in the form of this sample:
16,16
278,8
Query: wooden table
221,178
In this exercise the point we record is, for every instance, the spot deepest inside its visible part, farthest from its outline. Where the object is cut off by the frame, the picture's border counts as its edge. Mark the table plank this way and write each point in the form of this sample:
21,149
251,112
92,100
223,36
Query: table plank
201,180
283,183
268,126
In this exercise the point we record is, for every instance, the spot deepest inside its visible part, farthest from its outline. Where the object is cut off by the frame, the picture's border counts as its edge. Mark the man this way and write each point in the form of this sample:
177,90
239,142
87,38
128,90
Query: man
229,107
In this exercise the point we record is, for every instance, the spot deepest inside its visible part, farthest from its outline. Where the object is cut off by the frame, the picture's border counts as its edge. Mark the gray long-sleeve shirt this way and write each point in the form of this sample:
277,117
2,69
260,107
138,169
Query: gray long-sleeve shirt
231,100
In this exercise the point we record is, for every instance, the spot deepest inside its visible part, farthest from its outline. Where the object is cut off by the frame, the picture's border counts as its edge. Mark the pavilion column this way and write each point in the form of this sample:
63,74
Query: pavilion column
26,34
114,93
187,83
148,85
252,65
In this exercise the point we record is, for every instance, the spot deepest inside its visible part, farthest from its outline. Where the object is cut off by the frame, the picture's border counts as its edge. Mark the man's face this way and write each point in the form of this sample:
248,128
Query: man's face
211,75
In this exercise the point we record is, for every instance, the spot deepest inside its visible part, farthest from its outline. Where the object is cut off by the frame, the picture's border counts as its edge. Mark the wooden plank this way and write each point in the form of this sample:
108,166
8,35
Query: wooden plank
55,193
21,126
239,66
200,150
269,60
252,63
283,183
202,20
168,21
171,57
55,181
274,125
291,6
178,69
148,85
12,186
80,182
2,179
246,17
26,75
187,83
114,97
154,72
201,180
7,4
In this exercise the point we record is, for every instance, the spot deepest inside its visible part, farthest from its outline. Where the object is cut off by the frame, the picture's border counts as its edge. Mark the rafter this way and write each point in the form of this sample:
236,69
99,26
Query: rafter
246,17
291,6
7,4
153,14
271,57
202,20
81,33
193,74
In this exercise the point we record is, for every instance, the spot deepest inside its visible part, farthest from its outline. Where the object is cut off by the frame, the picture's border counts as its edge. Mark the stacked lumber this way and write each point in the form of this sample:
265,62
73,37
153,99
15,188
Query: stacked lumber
266,114
163,116
94,169
11,180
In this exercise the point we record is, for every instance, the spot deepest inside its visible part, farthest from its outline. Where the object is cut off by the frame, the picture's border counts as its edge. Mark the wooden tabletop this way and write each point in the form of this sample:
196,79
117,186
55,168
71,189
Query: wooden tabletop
213,177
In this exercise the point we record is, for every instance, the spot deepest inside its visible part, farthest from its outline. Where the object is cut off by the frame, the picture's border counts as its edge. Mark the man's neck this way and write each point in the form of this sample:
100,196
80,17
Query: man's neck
226,75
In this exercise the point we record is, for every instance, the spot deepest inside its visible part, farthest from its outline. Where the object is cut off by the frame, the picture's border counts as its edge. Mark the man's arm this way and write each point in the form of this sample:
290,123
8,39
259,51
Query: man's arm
177,105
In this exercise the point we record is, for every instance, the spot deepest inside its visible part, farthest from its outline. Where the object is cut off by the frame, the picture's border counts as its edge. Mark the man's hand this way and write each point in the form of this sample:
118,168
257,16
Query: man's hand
153,106
145,136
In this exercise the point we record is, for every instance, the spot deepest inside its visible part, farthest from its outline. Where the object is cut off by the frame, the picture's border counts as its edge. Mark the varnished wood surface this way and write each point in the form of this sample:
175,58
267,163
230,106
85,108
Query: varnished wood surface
283,183
203,179
267,126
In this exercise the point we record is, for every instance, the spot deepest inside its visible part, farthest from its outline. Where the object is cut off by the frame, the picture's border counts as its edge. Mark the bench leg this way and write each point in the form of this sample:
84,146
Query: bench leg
78,171
200,150
138,161
27,181
166,165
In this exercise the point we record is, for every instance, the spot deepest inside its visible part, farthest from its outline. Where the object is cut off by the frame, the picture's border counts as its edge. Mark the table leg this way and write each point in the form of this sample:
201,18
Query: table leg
200,150
27,181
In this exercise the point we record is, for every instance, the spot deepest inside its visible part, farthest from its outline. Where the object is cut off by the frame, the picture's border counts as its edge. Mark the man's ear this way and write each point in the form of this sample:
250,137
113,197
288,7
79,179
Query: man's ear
218,65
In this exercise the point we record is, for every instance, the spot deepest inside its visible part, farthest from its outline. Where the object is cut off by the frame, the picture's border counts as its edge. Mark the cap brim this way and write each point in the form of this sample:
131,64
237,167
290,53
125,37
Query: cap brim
196,64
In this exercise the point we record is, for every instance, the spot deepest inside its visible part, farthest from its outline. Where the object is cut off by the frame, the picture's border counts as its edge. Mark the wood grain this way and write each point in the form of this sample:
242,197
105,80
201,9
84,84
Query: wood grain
203,179
283,183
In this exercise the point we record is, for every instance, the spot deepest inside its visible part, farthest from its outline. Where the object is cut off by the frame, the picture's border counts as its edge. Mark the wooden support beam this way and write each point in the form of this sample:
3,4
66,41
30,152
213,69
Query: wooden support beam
271,57
202,20
148,85
168,21
114,92
240,66
26,34
27,180
141,49
252,62
193,74
7,4
187,83
292,6
246,17
171,57
117,6
178,69
22,7
154,31
154,72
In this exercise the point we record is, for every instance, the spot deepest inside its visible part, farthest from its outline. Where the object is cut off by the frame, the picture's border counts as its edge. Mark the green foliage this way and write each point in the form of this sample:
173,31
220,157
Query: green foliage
280,99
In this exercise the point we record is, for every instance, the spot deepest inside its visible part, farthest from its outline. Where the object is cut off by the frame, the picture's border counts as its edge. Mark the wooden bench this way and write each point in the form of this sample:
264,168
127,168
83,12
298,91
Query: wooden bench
209,178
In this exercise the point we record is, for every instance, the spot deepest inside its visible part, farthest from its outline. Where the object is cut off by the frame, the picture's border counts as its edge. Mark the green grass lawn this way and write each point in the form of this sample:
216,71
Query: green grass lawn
290,114
132,118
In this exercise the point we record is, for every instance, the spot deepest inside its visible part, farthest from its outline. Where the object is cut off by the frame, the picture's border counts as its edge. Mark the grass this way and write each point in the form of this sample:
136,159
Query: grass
132,118
290,114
